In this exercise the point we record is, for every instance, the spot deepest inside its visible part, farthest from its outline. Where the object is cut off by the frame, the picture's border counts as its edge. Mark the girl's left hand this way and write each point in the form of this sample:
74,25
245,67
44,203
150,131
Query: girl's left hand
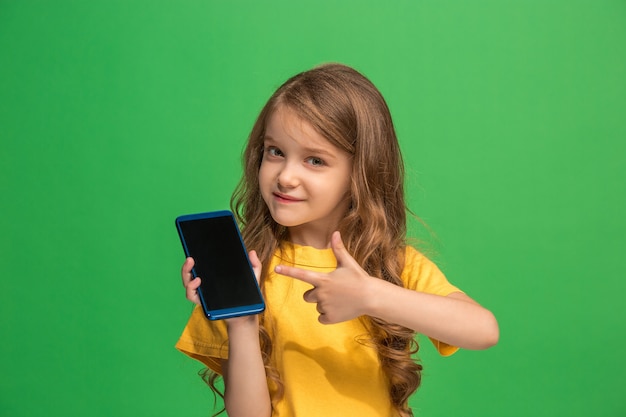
340,295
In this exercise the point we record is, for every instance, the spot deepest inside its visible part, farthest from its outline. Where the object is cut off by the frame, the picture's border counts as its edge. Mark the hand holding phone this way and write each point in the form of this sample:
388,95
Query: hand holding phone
229,286
190,282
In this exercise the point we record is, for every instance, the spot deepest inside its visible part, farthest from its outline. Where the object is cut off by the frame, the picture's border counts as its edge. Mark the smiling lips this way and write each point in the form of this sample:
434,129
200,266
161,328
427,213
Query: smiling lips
284,198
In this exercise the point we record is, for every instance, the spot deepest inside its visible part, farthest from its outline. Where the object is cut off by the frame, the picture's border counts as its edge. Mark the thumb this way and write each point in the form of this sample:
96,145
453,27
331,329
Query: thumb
339,249
256,264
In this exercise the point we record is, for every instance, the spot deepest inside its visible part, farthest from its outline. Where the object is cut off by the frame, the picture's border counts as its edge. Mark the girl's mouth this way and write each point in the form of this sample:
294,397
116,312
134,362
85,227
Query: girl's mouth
284,198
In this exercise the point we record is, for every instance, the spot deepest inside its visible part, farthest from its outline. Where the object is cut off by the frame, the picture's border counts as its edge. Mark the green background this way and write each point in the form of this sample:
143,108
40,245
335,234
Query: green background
117,116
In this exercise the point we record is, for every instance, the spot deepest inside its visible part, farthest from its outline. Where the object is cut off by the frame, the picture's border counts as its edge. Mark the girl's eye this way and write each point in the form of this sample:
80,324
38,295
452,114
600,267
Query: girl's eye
316,161
273,151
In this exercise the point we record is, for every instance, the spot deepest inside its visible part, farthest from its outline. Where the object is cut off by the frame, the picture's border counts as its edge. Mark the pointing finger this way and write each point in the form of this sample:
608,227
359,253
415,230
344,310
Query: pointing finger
309,277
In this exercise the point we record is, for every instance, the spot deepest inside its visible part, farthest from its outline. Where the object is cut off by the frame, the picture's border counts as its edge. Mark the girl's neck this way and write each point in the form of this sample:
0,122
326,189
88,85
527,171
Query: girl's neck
317,240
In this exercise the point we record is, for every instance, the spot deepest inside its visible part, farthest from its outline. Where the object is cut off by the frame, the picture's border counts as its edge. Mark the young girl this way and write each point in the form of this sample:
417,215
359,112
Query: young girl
321,205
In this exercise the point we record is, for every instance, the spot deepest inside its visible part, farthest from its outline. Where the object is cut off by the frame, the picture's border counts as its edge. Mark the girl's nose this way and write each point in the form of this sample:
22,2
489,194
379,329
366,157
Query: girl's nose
288,177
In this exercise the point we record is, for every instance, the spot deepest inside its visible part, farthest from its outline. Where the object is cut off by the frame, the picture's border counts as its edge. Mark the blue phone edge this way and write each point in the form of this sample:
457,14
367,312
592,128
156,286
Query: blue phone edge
227,312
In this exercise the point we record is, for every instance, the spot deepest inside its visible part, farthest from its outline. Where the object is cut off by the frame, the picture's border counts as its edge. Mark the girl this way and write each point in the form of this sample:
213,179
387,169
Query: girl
321,203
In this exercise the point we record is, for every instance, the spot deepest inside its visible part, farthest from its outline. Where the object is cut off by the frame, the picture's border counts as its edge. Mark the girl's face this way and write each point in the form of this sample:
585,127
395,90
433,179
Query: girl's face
304,179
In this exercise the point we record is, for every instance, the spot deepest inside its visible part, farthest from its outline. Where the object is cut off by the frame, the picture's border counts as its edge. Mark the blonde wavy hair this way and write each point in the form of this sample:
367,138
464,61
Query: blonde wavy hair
344,107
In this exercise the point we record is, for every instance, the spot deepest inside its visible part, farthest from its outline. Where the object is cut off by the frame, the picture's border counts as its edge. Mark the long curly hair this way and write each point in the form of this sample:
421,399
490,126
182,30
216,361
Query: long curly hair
344,107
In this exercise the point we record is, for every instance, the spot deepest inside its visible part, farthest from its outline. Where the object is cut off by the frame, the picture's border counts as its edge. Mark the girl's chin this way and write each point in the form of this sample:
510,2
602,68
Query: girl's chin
286,223
285,220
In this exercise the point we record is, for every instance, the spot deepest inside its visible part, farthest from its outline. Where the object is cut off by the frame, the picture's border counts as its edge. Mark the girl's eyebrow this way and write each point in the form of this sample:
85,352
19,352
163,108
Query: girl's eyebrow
319,151
307,150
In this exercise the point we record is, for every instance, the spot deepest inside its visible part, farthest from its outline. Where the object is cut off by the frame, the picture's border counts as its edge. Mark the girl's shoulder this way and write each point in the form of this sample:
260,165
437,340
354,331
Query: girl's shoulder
414,257
422,274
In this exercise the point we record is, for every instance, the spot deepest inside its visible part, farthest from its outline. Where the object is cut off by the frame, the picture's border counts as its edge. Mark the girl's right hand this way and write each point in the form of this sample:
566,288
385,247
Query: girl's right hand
191,285
256,264
251,319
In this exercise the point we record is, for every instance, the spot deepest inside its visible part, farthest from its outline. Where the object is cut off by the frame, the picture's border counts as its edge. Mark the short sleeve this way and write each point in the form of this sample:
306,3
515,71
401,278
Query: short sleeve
204,340
421,274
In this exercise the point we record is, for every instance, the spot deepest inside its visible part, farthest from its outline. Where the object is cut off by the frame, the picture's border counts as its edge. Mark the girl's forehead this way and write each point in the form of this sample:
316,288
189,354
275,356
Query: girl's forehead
286,124
286,129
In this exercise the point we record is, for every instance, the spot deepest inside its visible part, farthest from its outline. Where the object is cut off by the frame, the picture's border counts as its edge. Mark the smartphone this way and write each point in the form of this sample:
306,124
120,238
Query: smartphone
229,287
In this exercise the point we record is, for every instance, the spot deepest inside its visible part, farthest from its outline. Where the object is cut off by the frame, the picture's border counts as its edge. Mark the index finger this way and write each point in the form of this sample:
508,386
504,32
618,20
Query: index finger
186,270
310,277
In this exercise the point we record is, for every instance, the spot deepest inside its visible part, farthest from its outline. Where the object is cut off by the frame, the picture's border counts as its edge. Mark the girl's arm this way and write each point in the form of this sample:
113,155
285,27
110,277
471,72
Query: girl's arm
349,292
245,385
456,319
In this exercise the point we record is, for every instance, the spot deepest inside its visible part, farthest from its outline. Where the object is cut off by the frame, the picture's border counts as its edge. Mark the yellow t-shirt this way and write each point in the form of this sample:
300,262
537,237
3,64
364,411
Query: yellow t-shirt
326,370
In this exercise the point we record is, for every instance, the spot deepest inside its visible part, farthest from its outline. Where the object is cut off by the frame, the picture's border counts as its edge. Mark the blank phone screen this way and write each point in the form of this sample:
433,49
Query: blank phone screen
221,262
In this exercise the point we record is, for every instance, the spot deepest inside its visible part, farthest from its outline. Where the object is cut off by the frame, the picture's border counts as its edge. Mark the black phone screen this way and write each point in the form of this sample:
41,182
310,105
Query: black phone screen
221,261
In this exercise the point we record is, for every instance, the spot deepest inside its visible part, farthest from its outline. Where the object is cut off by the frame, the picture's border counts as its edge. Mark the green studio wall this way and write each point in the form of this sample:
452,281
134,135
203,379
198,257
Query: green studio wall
116,116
